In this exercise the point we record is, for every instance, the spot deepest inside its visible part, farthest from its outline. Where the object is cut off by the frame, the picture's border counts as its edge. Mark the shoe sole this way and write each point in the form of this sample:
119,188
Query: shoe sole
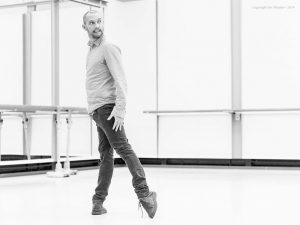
99,212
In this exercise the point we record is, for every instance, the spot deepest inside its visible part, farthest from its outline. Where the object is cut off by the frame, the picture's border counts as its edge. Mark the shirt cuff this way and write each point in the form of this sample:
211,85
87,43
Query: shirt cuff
118,112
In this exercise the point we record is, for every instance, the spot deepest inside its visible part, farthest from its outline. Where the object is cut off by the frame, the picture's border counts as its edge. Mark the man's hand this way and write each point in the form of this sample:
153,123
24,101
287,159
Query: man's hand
118,122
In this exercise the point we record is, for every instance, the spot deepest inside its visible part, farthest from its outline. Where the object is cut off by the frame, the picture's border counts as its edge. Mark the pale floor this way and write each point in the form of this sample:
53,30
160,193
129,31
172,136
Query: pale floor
186,195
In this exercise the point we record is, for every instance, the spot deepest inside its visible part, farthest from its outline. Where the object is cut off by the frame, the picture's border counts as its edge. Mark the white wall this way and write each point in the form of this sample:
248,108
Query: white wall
11,77
41,140
11,57
270,77
194,54
73,51
11,136
194,73
41,58
271,136
195,136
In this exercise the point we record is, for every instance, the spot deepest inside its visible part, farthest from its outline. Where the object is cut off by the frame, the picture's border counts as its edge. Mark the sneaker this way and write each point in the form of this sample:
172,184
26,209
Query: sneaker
149,203
98,208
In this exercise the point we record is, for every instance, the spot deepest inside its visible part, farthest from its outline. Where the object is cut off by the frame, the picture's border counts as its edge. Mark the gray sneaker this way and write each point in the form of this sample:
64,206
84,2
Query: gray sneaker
98,208
149,203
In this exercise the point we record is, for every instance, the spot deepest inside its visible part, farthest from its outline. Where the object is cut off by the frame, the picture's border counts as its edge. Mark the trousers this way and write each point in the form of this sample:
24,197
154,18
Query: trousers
110,140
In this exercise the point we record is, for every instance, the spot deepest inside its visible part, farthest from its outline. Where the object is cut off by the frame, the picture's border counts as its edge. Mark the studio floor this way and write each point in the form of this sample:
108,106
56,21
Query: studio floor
186,195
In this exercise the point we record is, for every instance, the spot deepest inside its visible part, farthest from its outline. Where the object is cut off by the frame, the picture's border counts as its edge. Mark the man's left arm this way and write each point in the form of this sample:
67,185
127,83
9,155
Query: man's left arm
114,63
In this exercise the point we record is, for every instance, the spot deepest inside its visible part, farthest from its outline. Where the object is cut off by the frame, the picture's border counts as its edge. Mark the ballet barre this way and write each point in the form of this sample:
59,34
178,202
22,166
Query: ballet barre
92,3
26,112
229,111
41,109
235,115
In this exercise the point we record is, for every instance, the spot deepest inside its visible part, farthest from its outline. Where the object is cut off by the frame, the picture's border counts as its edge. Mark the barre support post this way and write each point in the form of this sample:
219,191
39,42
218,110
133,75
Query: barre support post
67,166
58,172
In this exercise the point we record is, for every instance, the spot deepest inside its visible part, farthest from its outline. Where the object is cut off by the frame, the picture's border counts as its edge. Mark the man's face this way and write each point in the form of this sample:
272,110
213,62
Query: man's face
93,25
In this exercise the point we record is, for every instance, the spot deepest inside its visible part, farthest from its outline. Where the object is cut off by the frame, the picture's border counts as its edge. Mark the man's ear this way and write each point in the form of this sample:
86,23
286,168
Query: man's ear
84,26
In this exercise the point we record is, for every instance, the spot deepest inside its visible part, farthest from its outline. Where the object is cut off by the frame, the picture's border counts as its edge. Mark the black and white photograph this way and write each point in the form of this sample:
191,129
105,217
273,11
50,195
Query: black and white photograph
139,112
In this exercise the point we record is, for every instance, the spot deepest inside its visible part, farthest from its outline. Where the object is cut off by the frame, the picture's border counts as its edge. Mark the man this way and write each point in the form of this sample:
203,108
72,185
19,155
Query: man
106,93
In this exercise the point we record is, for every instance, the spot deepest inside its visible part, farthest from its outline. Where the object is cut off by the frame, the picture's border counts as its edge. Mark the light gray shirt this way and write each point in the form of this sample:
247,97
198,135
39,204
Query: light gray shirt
105,77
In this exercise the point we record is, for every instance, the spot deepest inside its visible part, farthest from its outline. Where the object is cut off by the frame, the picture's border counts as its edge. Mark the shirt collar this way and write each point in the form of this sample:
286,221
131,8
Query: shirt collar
96,43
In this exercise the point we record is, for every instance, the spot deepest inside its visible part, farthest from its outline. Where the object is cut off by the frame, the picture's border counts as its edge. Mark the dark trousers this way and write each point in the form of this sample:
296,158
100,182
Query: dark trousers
110,139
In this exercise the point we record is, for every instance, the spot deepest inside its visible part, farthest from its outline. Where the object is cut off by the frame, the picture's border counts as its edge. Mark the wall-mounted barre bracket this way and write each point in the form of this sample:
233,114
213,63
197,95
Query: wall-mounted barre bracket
69,118
25,122
237,116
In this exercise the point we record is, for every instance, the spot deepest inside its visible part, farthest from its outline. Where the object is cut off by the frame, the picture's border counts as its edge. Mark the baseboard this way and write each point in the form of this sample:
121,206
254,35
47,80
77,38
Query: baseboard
48,166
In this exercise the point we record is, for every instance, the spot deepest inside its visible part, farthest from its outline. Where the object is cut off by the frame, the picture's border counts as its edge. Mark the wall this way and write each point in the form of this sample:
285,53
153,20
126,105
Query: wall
176,57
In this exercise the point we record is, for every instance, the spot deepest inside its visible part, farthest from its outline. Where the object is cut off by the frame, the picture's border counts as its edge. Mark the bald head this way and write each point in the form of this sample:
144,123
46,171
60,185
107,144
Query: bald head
88,13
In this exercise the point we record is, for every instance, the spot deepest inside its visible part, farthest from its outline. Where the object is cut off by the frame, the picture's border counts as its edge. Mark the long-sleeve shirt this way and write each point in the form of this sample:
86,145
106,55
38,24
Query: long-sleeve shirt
105,77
